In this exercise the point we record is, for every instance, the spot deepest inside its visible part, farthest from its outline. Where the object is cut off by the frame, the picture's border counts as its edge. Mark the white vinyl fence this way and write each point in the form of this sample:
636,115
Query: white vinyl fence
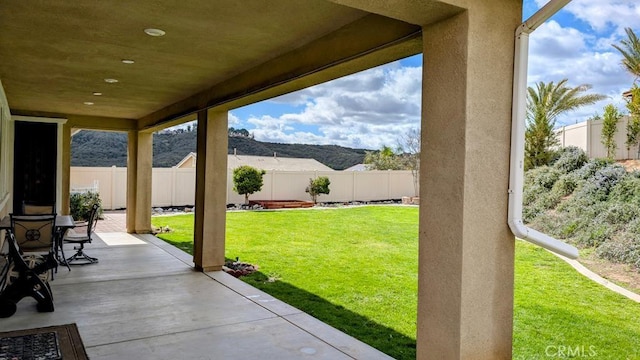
587,135
176,187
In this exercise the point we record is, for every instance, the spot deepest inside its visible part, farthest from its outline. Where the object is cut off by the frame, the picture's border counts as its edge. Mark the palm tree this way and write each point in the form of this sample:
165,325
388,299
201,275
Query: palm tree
630,50
544,103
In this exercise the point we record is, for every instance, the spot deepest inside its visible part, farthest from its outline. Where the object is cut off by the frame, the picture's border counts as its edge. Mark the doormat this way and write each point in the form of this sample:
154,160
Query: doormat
46,343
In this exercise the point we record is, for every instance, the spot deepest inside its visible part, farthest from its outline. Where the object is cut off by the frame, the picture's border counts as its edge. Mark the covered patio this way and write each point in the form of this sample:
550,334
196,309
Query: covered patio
144,300
147,65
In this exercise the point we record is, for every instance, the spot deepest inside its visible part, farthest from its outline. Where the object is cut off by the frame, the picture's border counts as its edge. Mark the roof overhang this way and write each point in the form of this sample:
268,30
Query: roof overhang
57,54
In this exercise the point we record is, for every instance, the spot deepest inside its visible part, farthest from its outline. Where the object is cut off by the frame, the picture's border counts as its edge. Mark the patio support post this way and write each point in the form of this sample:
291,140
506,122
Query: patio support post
139,172
66,170
466,250
211,190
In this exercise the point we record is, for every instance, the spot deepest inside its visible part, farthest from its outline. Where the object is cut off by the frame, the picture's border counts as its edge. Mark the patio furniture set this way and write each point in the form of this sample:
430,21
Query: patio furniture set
33,248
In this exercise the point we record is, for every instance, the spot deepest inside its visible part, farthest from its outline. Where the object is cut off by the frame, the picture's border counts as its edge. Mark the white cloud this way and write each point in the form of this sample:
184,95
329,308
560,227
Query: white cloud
233,120
558,52
377,106
368,109
606,15
557,42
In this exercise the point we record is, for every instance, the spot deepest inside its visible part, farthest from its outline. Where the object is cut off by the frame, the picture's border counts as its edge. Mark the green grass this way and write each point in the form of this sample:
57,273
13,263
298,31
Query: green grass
356,269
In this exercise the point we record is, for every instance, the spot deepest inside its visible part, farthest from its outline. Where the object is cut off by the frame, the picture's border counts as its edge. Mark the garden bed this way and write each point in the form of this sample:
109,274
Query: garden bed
281,204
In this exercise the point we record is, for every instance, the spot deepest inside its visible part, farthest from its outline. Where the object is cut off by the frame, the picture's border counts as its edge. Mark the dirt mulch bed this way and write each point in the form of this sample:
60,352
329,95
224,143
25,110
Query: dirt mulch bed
621,274
630,165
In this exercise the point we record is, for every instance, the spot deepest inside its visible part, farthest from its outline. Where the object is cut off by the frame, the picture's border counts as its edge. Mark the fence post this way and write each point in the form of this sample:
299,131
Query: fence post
353,186
173,186
273,184
589,147
388,184
113,187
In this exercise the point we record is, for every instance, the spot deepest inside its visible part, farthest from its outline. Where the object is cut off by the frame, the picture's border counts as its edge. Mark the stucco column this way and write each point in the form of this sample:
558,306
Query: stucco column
66,170
211,191
466,256
139,171
132,172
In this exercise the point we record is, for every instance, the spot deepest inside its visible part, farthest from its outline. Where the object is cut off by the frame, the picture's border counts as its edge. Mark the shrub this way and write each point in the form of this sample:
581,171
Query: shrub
627,190
544,176
602,182
530,213
633,227
247,180
317,186
565,185
570,158
619,213
591,204
594,235
81,204
590,168
624,249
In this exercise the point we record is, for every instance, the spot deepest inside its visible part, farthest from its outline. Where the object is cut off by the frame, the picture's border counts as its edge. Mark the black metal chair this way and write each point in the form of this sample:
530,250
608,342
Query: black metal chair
33,208
29,263
80,258
34,233
30,208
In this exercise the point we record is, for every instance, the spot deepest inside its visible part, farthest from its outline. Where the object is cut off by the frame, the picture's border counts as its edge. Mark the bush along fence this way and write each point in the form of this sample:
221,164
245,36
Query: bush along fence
173,187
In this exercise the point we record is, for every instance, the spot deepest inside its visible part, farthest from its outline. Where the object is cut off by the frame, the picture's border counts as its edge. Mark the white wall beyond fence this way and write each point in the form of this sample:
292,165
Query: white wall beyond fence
176,187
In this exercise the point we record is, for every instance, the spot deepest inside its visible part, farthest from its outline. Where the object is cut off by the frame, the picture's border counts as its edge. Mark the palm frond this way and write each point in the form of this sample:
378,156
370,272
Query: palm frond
630,50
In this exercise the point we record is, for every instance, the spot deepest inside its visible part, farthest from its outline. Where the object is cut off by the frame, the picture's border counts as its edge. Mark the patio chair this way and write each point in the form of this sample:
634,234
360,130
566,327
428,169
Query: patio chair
80,258
34,233
30,208
27,273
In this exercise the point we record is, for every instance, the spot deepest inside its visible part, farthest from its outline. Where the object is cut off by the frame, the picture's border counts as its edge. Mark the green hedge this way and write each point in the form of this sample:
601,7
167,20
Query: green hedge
81,204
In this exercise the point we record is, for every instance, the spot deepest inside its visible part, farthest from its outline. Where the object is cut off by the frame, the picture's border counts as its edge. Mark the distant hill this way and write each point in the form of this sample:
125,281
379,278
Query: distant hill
101,148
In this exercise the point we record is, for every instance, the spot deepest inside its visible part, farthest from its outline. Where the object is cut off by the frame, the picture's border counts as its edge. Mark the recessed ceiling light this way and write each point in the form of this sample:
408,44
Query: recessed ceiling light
97,93
154,32
127,61
111,81
88,103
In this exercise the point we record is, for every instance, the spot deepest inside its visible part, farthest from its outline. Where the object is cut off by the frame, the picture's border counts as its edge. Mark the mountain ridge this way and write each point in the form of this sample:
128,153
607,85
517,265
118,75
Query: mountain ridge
105,149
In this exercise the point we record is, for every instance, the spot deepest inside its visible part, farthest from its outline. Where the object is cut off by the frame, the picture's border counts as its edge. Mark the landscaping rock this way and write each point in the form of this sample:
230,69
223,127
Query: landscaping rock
237,268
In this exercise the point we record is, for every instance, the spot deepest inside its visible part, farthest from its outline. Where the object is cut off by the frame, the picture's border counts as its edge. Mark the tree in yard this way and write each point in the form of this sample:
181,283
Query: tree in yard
630,50
633,126
610,120
317,186
247,180
410,145
384,159
544,103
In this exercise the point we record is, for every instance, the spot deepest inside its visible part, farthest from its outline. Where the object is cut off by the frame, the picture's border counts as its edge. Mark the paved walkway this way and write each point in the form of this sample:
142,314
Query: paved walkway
114,221
143,300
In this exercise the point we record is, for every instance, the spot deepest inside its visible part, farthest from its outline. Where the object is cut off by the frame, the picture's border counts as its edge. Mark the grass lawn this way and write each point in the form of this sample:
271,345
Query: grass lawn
356,269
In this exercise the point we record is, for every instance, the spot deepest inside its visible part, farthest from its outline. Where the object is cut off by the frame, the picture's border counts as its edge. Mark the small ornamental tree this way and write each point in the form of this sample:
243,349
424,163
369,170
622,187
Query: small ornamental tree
247,180
317,186
609,127
633,126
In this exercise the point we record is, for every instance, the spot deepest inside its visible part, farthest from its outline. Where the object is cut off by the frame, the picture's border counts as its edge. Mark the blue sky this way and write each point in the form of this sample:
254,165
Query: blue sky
377,106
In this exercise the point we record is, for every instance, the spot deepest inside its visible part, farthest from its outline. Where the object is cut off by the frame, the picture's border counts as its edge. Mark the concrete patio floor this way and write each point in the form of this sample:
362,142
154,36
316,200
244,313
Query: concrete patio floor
143,300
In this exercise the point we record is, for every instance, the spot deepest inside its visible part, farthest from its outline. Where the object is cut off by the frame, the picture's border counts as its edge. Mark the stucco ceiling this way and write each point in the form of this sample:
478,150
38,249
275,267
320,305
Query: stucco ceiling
56,54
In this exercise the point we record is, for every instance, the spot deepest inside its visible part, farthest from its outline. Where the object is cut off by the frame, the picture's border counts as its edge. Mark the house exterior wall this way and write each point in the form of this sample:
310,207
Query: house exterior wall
176,186
262,162
587,135
187,163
